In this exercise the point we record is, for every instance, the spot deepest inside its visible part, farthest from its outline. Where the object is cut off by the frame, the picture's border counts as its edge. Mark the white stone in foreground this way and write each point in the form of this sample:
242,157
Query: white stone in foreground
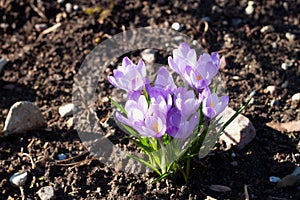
23,116
239,132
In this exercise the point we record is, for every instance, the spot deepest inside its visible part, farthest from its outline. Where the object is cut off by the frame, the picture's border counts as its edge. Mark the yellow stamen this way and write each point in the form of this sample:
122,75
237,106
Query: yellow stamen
155,126
198,77
211,104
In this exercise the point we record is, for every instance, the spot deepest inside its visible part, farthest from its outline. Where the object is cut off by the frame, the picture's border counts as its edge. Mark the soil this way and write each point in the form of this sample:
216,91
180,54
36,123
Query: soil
41,69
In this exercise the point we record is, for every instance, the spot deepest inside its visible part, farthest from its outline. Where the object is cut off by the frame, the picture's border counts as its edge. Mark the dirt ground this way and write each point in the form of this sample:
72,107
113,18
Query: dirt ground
42,66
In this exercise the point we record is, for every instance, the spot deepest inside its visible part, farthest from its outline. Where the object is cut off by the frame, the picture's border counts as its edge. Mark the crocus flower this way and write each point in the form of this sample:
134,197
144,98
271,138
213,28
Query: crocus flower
182,57
197,73
179,126
165,80
183,117
129,77
147,121
186,102
214,105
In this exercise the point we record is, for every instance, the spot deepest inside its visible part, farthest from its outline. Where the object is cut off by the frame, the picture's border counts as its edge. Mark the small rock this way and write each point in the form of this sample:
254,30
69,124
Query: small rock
205,19
23,116
69,7
148,55
62,156
178,38
236,21
70,122
60,1
76,7
267,29
285,84
67,110
289,180
284,66
274,179
291,37
220,188
40,27
274,102
46,193
234,163
19,179
296,97
239,132
176,26
3,62
250,9
271,89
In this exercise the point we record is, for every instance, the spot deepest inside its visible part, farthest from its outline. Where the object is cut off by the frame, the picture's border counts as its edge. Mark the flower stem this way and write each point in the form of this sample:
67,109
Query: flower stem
163,156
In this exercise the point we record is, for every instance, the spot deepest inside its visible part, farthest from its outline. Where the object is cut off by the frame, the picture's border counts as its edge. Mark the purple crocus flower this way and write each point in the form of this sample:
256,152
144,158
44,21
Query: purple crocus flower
165,80
147,121
180,127
129,77
186,102
197,73
214,105
183,117
182,57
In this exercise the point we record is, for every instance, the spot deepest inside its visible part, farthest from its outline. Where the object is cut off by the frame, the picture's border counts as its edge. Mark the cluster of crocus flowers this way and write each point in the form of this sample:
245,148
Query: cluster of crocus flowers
164,108
160,110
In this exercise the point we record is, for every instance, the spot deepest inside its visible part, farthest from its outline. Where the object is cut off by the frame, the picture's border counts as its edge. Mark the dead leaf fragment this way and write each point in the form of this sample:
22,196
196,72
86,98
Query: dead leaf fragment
287,126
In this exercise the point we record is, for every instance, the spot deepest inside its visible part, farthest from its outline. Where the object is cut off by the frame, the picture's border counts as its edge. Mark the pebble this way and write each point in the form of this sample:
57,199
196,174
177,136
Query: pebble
285,66
60,1
250,9
236,21
70,122
220,188
3,62
46,193
274,179
178,38
76,7
19,179
23,116
289,180
274,102
69,7
267,29
239,132
205,19
148,55
296,97
285,84
40,27
271,89
176,26
291,37
62,156
67,110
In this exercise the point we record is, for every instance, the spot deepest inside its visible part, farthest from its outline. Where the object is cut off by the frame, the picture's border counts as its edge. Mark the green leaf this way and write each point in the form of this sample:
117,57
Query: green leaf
145,163
235,115
118,106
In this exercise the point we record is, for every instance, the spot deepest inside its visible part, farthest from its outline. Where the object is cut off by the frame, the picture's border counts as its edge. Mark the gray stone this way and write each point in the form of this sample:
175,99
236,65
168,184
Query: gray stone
3,62
23,116
19,179
46,193
239,132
